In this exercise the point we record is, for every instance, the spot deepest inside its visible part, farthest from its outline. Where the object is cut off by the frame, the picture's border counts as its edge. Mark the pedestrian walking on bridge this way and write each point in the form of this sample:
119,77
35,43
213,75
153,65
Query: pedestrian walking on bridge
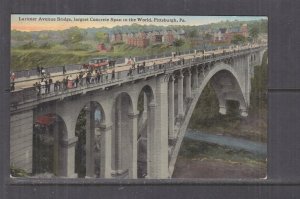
64,70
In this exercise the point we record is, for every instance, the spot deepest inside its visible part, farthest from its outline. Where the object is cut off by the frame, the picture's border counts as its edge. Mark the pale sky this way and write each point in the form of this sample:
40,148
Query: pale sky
27,22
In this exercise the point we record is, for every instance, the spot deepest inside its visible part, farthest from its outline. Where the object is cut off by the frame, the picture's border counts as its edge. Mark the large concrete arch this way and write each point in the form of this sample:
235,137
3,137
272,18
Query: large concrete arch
220,75
205,78
124,137
60,134
93,139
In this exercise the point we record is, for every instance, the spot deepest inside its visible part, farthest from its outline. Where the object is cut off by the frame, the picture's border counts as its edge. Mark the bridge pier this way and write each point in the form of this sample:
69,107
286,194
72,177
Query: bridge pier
105,153
21,128
66,157
188,89
180,113
195,79
151,140
159,139
118,140
171,108
133,117
90,140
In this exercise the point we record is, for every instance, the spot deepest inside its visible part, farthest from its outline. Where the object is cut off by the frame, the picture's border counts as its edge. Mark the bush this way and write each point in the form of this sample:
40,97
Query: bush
29,45
79,47
17,172
46,46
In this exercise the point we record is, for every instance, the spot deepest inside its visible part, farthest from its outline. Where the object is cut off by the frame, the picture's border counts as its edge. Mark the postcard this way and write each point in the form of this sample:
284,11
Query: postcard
138,96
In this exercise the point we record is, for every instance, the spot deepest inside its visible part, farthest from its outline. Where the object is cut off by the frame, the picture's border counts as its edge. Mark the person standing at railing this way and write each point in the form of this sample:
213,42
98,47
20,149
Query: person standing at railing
43,71
153,66
98,77
43,89
38,70
12,77
12,86
138,68
88,78
46,87
129,72
76,81
37,88
55,86
65,83
113,75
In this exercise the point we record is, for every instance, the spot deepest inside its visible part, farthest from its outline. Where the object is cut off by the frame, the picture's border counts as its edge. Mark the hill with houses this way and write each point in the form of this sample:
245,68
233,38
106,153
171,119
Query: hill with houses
76,45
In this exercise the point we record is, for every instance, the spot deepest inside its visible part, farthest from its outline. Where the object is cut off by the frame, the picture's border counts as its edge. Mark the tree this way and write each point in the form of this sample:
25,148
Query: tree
74,35
193,33
206,38
102,37
178,43
238,39
254,33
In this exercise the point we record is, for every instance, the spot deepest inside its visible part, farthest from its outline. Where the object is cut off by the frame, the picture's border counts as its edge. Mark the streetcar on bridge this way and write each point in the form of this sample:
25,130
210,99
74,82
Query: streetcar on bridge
100,63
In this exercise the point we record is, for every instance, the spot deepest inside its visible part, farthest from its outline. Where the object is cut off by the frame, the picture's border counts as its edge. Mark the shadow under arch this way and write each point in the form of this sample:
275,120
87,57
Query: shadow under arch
226,85
88,146
123,137
49,133
145,126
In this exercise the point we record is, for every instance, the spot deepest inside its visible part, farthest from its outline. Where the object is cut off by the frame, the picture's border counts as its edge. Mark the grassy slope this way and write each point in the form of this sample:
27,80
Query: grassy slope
204,160
60,55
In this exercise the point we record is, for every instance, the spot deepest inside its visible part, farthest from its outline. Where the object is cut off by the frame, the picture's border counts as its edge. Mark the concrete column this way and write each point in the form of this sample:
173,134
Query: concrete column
150,139
118,137
180,96
21,128
66,165
195,79
105,153
133,119
90,140
202,73
171,108
159,156
188,86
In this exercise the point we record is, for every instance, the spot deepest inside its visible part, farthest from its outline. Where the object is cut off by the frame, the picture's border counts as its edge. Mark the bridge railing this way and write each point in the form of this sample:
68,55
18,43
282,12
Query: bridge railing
56,88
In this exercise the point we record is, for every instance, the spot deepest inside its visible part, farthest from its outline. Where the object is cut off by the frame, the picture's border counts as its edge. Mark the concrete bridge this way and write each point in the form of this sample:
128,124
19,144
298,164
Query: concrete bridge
143,117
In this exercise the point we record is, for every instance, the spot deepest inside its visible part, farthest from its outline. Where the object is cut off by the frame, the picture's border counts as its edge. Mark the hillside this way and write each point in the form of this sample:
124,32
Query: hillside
76,45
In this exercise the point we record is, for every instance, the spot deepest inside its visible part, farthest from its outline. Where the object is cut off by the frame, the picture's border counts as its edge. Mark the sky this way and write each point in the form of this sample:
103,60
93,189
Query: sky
27,22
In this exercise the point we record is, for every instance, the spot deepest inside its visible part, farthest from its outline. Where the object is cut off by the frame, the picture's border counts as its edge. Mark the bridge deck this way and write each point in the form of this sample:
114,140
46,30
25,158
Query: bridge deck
29,97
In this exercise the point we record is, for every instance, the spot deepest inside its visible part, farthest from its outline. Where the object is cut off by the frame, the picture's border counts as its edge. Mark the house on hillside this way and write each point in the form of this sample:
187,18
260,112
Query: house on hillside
124,37
168,37
227,34
101,47
115,37
138,39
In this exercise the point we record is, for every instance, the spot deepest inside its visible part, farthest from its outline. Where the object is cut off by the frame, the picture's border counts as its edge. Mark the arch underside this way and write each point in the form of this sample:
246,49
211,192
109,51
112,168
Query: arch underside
226,85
